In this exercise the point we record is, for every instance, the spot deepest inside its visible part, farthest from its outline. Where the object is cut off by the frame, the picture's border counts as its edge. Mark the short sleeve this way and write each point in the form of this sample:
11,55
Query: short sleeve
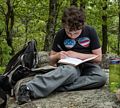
94,40
58,41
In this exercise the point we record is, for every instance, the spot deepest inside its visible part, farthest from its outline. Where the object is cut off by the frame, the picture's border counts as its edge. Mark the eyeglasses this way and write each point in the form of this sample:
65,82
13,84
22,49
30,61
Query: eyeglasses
73,33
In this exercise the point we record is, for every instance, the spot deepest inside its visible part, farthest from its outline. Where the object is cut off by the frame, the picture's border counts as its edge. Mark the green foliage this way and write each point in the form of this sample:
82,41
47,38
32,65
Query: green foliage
1,25
114,77
2,69
112,45
31,18
5,56
94,14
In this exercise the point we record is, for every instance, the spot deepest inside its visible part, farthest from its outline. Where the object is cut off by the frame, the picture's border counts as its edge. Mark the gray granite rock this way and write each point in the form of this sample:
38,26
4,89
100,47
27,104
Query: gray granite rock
97,98
106,60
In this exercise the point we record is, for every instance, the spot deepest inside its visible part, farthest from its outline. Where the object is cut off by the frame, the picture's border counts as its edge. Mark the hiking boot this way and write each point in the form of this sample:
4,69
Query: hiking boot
23,95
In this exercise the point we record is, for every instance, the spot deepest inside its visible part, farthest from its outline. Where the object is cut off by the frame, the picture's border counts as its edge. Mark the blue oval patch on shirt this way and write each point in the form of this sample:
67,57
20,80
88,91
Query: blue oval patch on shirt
69,43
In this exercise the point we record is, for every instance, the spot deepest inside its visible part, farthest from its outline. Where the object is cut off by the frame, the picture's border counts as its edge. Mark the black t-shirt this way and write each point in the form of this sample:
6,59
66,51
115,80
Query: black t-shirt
84,43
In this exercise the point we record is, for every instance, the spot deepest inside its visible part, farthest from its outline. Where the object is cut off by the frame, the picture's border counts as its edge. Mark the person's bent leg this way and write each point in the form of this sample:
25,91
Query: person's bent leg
92,77
43,85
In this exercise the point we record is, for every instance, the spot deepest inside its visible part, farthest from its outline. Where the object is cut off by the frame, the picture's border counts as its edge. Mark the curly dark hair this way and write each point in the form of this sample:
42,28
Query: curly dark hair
73,18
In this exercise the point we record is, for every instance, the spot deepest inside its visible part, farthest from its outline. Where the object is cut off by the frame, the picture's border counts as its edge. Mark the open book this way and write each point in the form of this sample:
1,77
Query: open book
44,69
74,61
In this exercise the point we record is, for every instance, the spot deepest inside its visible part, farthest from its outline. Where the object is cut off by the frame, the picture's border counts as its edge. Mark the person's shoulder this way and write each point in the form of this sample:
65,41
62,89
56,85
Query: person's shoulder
60,33
89,29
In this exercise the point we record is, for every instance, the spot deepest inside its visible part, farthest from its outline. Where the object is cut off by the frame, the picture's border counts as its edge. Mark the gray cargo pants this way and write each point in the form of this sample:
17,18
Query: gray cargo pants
66,78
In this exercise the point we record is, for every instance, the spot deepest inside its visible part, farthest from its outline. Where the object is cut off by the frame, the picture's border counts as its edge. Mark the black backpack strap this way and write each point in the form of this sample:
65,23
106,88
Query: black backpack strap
30,55
13,60
31,46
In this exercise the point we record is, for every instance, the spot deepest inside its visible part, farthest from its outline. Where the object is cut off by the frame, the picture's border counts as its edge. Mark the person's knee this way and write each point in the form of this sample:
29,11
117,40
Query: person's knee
102,79
70,69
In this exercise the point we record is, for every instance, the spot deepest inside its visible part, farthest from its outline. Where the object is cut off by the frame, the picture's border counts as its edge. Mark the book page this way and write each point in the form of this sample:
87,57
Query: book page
91,58
74,61
69,60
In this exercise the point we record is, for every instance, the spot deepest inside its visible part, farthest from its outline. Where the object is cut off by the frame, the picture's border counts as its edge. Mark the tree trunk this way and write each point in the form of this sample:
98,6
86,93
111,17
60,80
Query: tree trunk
73,2
9,20
119,29
51,25
104,29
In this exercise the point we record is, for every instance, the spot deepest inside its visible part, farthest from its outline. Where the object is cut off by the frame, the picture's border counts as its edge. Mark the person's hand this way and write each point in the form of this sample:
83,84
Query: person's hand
72,54
62,54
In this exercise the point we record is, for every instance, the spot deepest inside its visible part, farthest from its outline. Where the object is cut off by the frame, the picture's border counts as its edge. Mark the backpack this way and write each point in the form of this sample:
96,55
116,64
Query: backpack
3,96
18,67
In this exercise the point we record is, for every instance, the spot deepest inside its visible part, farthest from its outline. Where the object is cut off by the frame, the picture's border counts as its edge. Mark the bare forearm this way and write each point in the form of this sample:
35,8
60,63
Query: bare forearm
85,56
54,58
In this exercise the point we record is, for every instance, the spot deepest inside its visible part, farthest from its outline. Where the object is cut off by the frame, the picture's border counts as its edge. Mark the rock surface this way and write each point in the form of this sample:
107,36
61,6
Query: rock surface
98,98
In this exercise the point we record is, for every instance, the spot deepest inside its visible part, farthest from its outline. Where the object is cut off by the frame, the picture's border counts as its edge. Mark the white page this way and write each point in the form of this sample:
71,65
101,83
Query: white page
88,59
70,60
75,61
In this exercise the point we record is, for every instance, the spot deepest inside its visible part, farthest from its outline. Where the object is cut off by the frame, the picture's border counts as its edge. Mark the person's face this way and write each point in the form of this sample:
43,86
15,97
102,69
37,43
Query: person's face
73,34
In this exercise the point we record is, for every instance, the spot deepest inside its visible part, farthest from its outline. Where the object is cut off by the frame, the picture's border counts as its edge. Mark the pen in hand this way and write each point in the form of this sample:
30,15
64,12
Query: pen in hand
59,47
65,56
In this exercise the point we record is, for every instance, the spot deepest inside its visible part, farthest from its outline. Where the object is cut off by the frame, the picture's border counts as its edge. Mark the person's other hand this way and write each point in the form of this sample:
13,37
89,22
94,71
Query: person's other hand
72,54
62,54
